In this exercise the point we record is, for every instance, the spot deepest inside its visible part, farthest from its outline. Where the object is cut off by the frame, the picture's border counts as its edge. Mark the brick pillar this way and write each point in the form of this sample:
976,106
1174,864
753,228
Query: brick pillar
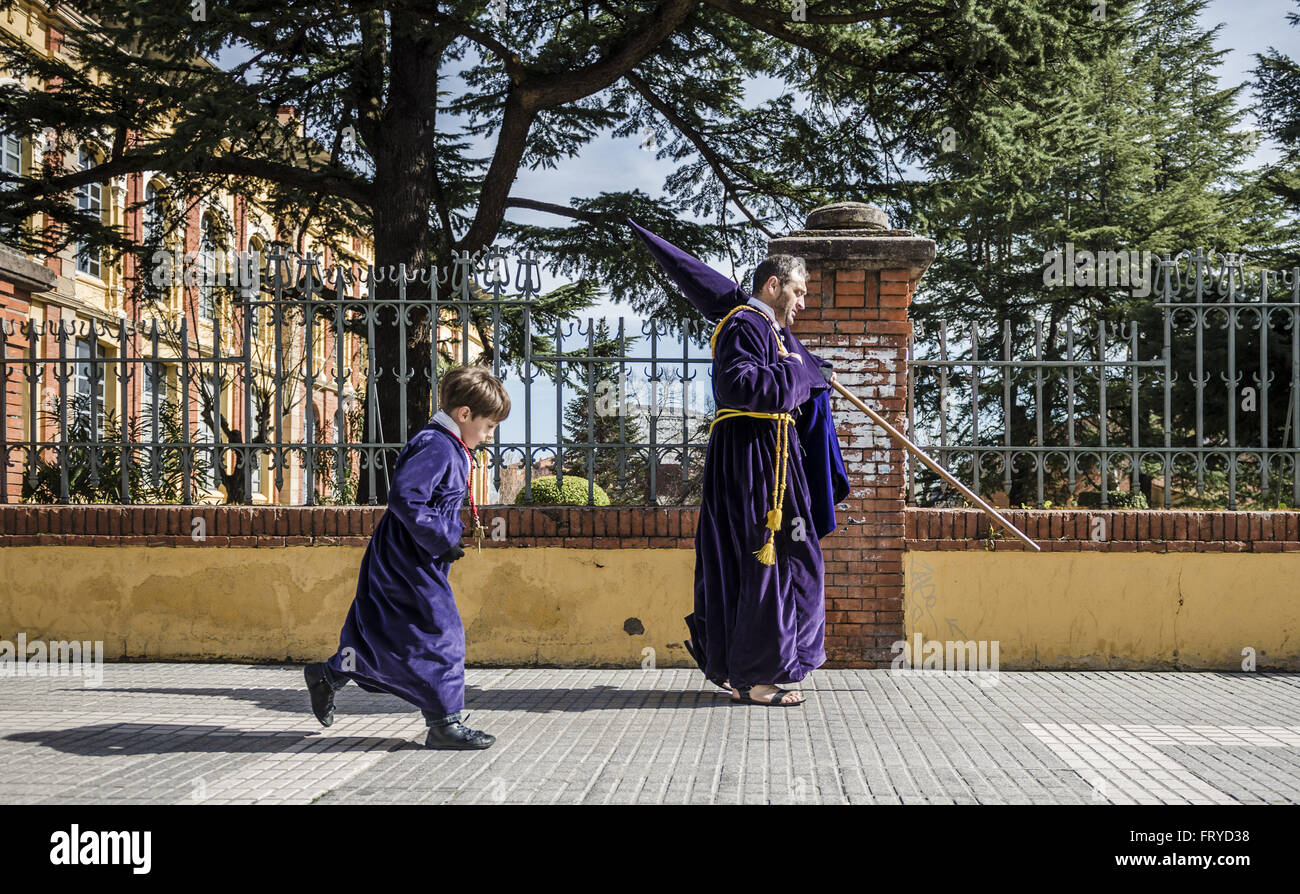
861,276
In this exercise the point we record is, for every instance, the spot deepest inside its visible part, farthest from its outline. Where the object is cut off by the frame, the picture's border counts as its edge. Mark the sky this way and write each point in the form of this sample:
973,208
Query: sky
610,164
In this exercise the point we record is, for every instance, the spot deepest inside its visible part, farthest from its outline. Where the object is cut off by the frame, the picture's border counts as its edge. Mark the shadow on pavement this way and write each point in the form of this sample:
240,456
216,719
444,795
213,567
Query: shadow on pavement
103,739
351,699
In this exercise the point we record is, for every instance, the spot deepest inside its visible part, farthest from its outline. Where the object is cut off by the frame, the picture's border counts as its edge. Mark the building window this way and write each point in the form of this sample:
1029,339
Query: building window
254,311
153,216
255,456
90,198
208,248
155,382
204,437
11,154
85,375
160,291
11,165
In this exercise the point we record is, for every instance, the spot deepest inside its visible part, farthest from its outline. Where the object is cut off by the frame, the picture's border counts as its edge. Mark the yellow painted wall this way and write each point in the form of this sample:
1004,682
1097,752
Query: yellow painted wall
520,606
569,607
1193,611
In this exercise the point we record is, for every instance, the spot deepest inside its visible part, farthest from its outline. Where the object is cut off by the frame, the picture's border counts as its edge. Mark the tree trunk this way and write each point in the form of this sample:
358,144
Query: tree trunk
403,155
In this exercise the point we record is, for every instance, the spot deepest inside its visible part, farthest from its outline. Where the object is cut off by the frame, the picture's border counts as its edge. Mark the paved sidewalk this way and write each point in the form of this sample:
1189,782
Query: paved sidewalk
203,733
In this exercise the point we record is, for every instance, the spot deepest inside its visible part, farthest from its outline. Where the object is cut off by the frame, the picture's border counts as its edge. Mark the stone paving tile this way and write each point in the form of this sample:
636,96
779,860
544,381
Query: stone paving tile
211,733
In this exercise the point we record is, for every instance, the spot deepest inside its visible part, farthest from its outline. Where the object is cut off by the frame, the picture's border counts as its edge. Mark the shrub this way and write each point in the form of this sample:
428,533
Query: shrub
1115,499
547,493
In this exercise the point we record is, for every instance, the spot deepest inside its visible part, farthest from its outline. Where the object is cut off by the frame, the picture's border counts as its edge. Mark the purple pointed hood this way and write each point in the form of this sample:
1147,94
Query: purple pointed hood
711,293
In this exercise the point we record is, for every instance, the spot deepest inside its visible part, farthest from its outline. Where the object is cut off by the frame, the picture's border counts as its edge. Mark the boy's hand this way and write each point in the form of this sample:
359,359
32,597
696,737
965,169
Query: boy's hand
452,554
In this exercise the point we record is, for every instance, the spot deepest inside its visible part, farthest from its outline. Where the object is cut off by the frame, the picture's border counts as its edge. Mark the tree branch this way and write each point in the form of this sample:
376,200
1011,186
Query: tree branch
714,161
816,18
544,91
232,165
777,27
562,210
536,92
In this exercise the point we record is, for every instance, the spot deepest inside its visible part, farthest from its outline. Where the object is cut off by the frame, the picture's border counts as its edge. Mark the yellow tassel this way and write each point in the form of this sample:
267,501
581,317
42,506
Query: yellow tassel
767,552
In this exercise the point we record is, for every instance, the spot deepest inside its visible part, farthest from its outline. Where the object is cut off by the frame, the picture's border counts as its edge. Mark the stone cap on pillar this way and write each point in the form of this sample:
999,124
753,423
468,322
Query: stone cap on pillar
25,273
856,235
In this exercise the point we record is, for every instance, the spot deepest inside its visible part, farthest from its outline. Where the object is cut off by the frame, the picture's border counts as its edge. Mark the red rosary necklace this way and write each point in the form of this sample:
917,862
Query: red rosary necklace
473,506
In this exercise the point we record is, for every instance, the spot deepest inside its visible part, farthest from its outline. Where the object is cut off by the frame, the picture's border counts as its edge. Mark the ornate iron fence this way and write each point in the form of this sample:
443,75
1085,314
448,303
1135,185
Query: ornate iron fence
96,420
1133,401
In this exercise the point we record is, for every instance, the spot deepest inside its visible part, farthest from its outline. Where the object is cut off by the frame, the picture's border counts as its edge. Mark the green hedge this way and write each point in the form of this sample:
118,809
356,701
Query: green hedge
547,493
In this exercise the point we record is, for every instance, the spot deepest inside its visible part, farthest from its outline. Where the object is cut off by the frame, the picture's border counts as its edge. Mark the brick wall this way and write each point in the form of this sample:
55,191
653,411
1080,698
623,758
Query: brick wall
1120,531
256,526
20,280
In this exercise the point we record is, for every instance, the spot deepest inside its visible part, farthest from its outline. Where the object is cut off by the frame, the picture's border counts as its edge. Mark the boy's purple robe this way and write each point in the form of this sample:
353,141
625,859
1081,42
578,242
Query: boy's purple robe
403,630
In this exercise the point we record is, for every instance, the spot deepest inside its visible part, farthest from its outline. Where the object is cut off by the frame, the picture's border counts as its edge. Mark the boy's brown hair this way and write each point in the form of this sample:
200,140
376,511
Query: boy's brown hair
474,387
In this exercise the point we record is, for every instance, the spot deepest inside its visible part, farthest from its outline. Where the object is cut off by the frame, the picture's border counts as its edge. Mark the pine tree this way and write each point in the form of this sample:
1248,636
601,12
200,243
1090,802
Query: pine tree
1277,88
387,138
1139,149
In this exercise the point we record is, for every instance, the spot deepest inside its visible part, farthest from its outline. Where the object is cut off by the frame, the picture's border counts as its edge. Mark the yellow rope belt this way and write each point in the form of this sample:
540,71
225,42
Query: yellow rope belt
767,552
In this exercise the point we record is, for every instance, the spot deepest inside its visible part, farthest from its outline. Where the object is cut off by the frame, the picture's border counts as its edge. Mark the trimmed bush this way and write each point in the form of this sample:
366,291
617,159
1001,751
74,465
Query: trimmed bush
547,493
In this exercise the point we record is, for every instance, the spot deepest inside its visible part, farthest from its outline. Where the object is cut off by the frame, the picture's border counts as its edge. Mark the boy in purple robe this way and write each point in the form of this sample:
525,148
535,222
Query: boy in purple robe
760,614
403,634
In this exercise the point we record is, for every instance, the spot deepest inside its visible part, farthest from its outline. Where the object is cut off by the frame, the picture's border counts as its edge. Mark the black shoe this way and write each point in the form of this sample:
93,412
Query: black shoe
457,736
322,693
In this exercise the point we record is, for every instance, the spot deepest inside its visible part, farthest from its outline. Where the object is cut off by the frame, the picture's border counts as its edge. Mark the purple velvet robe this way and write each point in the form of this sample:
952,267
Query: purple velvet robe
756,623
403,634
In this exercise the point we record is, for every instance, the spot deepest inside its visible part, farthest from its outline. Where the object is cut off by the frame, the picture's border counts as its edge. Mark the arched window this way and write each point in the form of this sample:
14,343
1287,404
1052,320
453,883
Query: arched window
90,199
203,435
154,221
158,289
256,457
88,374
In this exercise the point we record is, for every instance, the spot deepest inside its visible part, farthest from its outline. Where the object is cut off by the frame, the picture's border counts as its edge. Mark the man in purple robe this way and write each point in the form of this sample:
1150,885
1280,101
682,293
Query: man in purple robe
403,634
760,615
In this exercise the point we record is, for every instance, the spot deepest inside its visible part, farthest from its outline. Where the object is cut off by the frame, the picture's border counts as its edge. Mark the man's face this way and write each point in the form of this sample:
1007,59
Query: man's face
788,301
474,430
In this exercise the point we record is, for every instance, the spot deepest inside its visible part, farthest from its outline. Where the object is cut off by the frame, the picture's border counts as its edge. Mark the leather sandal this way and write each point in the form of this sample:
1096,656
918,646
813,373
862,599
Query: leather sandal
775,701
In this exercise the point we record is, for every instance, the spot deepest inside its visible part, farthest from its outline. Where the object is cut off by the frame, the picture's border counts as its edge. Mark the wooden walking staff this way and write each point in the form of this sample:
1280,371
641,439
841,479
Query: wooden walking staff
715,296
934,466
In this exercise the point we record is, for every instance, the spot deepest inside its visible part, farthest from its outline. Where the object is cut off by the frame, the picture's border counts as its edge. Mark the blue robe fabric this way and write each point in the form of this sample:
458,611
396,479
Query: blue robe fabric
756,623
828,480
403,634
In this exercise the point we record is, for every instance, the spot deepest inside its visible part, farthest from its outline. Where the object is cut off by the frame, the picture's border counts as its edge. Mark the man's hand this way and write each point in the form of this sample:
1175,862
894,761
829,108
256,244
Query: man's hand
451,555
